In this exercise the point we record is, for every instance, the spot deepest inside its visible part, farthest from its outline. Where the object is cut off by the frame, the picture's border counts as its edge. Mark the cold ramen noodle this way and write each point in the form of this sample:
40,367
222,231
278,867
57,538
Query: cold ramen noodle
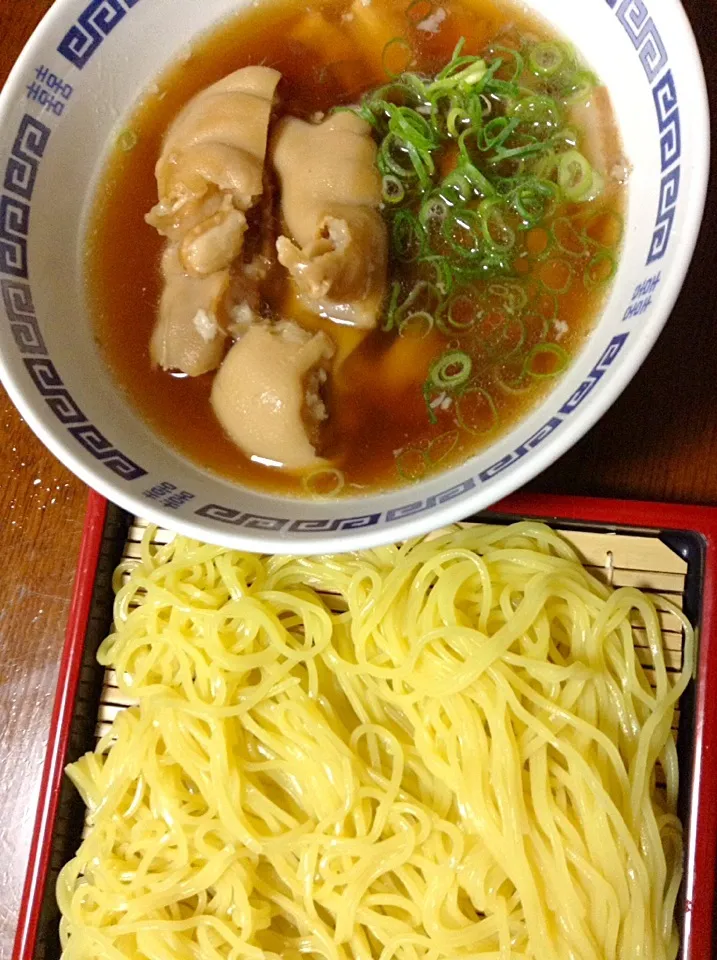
355,243
459,748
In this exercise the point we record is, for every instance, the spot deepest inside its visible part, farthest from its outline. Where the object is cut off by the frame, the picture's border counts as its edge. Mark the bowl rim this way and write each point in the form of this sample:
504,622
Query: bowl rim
481,498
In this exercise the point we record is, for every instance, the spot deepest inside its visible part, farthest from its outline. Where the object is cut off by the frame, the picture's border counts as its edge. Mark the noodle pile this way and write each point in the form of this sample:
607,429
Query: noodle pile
443,749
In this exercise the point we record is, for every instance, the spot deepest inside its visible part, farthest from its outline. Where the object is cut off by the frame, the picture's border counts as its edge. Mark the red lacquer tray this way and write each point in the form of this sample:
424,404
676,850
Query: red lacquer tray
690,532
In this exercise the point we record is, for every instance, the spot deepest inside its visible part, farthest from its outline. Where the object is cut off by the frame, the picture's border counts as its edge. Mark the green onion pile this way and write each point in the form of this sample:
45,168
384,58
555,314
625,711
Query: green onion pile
479,166
515,158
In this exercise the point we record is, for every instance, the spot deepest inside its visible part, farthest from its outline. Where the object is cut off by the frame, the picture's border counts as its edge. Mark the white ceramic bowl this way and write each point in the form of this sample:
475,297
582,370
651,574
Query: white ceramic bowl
82,72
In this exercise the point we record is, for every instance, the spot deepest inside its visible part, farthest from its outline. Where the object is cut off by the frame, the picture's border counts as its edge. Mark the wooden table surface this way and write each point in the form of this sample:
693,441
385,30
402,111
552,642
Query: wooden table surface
658,442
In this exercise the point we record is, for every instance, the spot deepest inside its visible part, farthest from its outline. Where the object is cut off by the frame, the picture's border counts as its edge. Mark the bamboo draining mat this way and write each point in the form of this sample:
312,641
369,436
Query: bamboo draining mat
621,560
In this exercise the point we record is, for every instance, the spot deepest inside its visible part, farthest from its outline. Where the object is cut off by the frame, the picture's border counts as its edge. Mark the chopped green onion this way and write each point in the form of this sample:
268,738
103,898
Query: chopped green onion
423,295
517,61
497,122
575,175
399,48
442,447
513,379
546,354
545,59
451,371
527,148
434,210
407,236
404,160
463,231
491,265
412,127
566,138
497,131
539,113
469,298
423,298
391,152
324,482
392,190
411,464
556,275
605,228
568,239
496,232
402,91
459,69
512,296
476,411
579,86
406,149
416,326
533,200
455,116
428,392
444,280
390,321
600,270
472,71
546,167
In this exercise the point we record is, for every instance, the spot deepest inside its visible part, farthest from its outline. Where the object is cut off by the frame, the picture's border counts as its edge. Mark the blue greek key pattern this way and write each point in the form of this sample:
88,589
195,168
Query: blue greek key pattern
48,382
540,436
578,398
250,521
95,22
26,154
639,25
328,526
14,228
19,182
101,449
17,300
668,118
20,175
640,28
236,518
596,374
421,506
669,190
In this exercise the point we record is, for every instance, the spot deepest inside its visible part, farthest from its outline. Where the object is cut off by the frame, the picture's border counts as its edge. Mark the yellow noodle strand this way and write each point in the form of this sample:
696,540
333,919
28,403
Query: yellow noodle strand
441,750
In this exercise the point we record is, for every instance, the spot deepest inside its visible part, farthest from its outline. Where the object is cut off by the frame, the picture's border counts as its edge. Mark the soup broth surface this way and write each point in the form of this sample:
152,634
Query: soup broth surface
520,329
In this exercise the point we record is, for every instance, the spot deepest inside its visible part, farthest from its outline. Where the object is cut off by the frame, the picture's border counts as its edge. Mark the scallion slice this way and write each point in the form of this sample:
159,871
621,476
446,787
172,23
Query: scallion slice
575,175
396,57
451,371
496,232
545,59
546,360
392,189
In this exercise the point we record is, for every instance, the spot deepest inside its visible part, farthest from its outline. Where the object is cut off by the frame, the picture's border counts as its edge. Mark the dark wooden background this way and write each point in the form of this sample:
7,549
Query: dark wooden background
659,442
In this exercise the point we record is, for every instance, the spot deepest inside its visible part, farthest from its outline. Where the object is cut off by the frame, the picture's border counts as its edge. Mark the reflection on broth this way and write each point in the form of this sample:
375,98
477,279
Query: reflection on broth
329,302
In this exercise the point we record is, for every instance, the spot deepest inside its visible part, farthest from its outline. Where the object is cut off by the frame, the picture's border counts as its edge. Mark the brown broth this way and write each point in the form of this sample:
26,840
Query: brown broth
376,403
